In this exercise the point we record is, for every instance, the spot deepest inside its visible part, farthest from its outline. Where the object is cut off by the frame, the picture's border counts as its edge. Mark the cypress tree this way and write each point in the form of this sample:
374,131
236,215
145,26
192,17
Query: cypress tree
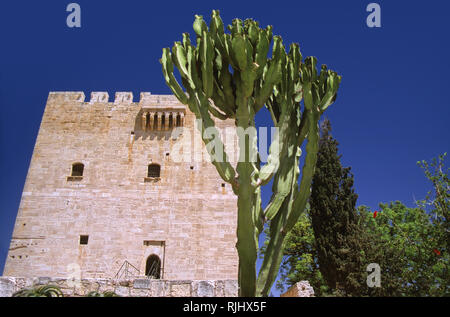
339,237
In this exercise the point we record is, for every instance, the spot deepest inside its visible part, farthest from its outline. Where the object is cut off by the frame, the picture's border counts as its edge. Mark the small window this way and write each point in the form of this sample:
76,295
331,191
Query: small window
84,240
77,169
154,170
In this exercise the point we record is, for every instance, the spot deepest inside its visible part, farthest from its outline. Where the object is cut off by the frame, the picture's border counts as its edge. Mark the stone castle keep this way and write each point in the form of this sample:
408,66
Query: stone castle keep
104,199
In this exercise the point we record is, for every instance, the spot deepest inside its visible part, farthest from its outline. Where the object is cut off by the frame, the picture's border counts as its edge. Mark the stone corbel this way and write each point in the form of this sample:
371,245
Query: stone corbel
159,120
181,119
144,121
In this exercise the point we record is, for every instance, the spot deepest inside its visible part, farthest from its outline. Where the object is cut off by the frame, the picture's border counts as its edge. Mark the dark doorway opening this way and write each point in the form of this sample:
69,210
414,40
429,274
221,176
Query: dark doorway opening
153,267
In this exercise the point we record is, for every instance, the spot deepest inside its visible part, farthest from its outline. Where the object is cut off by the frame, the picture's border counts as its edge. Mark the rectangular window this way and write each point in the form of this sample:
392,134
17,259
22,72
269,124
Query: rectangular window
84,240
151,242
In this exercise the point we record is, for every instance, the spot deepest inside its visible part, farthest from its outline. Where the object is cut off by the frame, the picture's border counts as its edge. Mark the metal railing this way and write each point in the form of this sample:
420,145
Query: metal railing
154,271
127,270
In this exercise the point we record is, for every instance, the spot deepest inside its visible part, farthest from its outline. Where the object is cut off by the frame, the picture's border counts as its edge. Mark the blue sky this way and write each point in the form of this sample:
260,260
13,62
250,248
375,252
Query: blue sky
392,109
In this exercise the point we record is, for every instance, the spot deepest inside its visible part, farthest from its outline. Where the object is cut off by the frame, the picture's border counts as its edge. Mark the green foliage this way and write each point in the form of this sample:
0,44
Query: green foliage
230,76
401,240
338,234
416,240
300,259
40,291
413,258
409,244
437,201
55,291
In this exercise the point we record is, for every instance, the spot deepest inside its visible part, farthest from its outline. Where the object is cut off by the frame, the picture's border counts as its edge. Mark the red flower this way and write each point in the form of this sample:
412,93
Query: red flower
437,252
375,214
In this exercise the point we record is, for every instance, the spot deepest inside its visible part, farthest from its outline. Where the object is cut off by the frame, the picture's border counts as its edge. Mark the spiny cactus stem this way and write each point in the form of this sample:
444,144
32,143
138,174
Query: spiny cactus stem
246,247
280,83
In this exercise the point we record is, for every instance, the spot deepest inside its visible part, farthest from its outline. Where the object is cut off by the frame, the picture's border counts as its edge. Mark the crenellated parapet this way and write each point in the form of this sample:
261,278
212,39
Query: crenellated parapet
149,100
156,112
123,97
99,96
146,101
66,96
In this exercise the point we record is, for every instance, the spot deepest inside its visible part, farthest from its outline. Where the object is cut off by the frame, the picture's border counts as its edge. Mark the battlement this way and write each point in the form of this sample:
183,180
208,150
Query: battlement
147,100
66,96
125,193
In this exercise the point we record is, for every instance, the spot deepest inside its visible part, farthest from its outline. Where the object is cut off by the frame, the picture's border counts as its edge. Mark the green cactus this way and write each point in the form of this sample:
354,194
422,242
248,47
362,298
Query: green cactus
40,291
279,83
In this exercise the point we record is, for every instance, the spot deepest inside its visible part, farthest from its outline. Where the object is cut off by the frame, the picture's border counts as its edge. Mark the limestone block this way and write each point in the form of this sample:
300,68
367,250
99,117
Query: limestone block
158,288
231,288
220,289
106,288
7,287
180,290
299,289
22,283
91,285
78,290
43,280
137,288
203,289
143,283
122,291
139,292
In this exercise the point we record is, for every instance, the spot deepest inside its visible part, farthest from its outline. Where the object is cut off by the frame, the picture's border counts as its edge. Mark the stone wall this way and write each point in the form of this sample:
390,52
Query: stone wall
134,288
187,216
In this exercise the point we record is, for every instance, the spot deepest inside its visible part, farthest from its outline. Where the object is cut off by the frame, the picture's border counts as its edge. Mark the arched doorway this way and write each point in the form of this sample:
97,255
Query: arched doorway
153,266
